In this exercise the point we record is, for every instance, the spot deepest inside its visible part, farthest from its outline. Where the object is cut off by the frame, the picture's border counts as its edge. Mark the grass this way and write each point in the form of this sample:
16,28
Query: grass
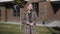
15,29
10,29
46,30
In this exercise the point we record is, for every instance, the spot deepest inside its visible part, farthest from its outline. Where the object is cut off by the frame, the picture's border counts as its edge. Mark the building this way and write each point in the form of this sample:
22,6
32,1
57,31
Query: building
46,10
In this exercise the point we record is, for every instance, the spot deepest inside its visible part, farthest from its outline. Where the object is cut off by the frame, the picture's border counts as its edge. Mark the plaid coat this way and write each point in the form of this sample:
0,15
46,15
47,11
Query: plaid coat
27,27
34,17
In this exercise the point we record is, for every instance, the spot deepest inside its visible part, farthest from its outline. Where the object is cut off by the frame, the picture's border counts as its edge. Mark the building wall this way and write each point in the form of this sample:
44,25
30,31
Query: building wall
2,17
45,13
10,17
50,13
57,15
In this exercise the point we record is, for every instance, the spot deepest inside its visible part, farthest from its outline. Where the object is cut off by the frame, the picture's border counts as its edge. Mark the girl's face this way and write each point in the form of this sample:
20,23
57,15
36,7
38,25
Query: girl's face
30,7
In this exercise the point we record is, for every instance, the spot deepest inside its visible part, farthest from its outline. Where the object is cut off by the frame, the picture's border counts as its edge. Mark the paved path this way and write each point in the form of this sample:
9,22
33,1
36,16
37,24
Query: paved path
52,24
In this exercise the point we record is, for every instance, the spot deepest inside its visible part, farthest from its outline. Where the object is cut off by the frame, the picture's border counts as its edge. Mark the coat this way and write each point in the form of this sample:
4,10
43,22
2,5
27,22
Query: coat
34,17
27,27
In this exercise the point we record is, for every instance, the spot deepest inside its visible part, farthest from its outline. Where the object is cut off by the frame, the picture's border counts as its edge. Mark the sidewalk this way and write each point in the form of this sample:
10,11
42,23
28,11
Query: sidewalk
52,24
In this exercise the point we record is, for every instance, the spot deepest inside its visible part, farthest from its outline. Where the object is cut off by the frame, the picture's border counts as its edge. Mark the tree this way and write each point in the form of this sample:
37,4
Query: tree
20,3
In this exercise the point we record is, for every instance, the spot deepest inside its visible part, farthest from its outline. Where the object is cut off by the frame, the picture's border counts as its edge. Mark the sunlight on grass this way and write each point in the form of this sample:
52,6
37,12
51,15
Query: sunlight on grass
15,29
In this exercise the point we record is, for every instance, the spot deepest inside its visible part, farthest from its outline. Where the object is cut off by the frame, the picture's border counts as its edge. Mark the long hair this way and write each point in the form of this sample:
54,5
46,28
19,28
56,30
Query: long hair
26,7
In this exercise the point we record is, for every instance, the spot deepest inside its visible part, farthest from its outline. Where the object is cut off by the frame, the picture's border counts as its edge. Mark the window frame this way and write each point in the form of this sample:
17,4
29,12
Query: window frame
16,11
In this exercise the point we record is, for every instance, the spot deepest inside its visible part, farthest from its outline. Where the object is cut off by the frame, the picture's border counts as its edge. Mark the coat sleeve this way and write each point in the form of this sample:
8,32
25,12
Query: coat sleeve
35,18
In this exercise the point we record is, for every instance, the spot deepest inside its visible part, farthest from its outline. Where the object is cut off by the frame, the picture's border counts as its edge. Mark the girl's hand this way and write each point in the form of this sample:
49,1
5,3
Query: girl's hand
27,22
31,24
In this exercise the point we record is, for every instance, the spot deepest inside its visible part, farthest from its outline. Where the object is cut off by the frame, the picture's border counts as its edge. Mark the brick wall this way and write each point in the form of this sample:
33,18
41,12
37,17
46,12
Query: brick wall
10,17
2,17
45,11
57,15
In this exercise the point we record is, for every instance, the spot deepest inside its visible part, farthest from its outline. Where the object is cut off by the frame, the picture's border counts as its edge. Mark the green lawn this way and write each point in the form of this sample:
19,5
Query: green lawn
15,29
10,29
46,30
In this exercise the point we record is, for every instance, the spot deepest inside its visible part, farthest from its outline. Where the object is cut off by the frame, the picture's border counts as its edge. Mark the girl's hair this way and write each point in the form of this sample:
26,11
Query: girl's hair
27,6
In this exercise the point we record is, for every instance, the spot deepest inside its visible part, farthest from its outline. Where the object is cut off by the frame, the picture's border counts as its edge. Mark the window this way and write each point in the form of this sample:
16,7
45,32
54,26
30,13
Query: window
36,8
8,5
16,11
